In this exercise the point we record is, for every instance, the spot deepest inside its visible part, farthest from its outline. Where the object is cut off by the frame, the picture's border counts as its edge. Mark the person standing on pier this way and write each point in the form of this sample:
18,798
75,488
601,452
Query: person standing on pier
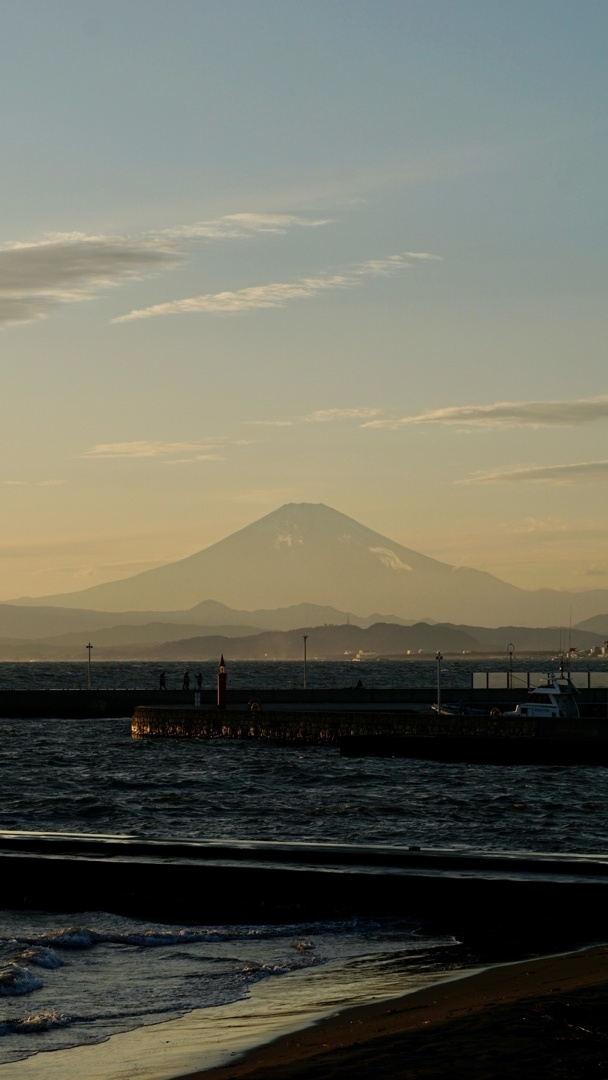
186,681
162,682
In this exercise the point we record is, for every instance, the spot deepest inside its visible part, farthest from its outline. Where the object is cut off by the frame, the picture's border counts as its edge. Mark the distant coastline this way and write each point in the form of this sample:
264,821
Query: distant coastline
164,642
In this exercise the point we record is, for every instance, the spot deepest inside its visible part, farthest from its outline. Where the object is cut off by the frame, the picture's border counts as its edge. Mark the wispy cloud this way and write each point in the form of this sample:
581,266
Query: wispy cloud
325,416
194,457
277,294
230,303
509,414
33,483
62,268
241,226
322,416
585,472
66,268
107,570
275,423
195,451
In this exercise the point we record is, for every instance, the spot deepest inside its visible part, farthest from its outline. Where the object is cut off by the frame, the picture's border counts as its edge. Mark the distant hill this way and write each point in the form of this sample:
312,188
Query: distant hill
598,624
155,633
325,642
381,639
45,622
311,554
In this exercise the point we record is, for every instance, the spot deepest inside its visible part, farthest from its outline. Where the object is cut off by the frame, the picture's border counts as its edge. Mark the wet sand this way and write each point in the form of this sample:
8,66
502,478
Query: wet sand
544,1016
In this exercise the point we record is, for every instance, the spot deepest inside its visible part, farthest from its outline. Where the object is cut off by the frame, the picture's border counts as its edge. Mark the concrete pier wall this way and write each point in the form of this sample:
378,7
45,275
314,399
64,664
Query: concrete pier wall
80,704
83,704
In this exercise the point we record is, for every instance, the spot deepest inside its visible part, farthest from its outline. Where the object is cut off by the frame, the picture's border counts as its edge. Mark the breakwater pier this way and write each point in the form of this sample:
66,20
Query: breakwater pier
392,723
394,733
278,882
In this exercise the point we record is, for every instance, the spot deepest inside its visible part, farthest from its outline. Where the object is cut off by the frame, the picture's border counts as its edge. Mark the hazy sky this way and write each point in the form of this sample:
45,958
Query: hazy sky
257,252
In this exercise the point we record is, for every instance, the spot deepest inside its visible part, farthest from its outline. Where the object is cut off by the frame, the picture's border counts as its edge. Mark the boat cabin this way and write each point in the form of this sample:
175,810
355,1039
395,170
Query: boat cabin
554,697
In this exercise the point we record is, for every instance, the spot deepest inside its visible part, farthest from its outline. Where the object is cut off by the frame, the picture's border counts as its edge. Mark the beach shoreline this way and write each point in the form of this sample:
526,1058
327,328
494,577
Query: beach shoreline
211,1036
541,1014
450,1023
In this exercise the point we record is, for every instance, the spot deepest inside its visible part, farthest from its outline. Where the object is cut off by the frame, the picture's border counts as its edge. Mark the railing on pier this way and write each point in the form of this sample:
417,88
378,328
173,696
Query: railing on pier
526,680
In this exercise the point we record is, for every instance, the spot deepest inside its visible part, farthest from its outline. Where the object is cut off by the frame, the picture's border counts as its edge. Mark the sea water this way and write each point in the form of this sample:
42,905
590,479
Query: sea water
77,978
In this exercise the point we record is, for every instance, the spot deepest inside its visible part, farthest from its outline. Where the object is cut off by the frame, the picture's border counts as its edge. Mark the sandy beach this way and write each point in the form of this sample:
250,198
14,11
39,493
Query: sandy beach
544,1016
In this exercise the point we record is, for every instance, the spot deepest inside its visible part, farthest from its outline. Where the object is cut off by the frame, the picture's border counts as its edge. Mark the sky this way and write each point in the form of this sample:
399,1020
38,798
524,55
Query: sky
265,251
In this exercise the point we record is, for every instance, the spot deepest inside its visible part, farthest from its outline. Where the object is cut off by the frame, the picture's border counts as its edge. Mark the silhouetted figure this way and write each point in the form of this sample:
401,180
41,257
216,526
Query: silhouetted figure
186,681
162,682
359,684
199,680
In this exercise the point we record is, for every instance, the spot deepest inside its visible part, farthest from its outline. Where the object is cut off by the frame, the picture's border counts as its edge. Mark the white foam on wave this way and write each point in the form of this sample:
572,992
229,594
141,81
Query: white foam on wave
72,937
43,1021
40,956
80,937
158,939
16,980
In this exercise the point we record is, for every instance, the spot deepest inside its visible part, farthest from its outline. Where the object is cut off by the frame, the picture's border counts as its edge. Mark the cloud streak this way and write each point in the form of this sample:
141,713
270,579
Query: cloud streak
196,451
323,416
242,226
67,268
33,483
509,414
278,294
63,268
586,472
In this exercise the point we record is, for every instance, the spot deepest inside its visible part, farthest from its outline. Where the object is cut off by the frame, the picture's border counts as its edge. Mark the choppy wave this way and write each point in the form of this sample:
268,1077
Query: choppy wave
40,956
99,780
34,1024
16,980
40,949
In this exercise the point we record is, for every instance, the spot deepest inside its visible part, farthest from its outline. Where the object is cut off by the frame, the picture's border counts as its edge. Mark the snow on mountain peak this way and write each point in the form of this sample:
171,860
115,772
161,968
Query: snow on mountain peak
389,559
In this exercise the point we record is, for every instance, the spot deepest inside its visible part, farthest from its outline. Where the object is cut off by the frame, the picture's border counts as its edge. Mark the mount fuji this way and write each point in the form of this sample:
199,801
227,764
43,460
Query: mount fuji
311,553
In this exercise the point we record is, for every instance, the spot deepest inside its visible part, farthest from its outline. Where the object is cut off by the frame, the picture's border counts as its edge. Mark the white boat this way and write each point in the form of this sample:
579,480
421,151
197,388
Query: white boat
459,709
555,696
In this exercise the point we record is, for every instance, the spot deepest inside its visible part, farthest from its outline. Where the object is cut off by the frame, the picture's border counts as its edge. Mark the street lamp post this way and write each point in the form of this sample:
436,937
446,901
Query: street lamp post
304,639
221,684
89,647
439,659
510,650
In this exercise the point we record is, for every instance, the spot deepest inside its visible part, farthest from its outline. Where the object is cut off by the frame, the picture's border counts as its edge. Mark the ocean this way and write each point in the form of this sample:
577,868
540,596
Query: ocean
74,978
